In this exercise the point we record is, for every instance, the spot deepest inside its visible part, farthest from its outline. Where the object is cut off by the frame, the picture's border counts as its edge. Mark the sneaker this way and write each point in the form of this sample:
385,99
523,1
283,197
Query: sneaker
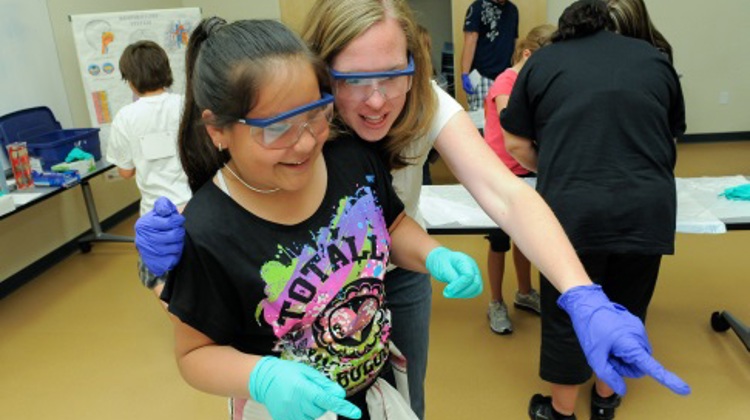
528,302
499,320
540,408
603,408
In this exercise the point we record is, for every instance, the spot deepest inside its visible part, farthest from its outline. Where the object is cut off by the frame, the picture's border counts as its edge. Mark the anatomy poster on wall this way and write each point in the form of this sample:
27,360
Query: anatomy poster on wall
101,38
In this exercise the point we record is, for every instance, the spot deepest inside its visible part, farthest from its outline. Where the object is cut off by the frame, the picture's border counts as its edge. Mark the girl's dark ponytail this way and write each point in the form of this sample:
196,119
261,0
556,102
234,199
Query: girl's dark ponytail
198,155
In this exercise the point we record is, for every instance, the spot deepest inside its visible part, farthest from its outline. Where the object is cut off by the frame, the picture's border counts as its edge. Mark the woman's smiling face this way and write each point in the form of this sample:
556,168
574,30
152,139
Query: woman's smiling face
382,47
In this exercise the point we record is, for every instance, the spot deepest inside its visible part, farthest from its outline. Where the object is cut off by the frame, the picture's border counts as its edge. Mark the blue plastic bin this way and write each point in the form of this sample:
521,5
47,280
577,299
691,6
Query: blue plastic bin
45,139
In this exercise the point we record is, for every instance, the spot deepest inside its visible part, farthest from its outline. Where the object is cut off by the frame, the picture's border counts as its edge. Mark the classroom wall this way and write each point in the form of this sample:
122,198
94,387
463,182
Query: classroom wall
713,159
711,54
294,12
436,17
237,9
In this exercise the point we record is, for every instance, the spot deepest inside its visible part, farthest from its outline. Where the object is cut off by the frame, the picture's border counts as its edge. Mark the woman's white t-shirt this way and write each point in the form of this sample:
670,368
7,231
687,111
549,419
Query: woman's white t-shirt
407,181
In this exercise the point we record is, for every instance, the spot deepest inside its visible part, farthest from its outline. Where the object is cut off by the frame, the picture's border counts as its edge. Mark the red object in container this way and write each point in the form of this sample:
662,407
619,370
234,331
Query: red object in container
18,155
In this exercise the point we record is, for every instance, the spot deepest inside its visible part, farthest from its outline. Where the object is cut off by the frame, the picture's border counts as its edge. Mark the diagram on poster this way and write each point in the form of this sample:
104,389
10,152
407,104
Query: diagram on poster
101,38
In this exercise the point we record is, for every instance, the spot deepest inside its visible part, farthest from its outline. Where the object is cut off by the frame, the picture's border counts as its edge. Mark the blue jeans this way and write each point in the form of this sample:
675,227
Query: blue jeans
408,295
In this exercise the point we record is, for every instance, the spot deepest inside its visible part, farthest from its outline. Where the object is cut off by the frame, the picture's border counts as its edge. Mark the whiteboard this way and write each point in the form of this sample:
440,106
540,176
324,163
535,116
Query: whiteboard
30,71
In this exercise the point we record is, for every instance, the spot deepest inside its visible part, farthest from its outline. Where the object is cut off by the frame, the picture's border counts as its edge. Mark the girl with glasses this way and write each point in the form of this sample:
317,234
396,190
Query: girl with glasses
278,301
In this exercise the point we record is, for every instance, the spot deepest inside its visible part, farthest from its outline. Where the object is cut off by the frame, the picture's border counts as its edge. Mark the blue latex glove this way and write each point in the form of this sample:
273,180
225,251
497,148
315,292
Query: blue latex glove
466,82
614,340
294,391
160,236
457,269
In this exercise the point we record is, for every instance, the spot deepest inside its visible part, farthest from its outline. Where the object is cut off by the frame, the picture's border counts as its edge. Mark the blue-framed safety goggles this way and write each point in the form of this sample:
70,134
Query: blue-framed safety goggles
360,86
277,132
408,71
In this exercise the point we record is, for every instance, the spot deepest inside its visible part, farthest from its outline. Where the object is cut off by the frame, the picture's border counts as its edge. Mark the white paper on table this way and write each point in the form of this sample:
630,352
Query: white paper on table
700,207
452,205
706,191
6,204
728,209
693,217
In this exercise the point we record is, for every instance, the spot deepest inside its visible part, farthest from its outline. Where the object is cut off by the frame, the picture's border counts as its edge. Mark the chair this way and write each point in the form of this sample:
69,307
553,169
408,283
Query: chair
722,321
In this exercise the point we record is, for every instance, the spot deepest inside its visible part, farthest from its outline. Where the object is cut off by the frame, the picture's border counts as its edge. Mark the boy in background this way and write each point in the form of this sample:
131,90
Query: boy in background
143,138
490,33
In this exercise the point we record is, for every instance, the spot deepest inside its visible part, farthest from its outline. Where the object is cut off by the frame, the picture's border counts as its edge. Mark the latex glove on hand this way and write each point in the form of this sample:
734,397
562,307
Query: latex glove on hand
457,269
77,154
159,236
294,391
466,82
614,340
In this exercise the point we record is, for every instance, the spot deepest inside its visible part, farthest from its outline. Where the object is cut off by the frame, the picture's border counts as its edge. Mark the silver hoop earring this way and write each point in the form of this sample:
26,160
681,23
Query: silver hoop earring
221,149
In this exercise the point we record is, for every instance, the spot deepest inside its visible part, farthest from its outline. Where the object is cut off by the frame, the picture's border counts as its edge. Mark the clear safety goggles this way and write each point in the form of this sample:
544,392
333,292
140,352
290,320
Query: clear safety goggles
284,130
360,86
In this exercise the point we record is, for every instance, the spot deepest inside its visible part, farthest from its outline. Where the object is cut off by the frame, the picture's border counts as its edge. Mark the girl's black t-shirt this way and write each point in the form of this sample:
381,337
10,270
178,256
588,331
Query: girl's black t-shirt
312,292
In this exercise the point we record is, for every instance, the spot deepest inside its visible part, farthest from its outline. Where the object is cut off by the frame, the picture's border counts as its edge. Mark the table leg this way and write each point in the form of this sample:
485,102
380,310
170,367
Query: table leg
96,235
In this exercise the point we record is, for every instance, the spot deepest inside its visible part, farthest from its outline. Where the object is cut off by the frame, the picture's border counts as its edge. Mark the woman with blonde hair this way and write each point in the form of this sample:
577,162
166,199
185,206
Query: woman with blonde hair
363,41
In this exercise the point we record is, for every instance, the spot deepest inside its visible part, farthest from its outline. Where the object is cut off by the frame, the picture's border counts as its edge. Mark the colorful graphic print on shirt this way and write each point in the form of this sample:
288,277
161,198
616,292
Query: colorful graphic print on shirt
490,17
325,297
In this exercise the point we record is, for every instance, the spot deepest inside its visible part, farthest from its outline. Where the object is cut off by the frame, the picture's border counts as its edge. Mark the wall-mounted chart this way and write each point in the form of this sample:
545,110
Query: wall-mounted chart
101,38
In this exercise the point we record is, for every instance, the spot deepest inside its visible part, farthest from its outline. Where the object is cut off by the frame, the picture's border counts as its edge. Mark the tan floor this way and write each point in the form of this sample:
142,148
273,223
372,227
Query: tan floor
85,341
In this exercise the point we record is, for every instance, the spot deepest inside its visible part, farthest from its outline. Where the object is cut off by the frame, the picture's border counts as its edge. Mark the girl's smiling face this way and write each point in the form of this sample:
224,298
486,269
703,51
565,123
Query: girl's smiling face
290,83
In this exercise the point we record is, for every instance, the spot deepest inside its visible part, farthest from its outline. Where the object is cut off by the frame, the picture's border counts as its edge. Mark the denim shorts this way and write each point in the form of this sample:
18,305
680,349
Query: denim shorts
148,278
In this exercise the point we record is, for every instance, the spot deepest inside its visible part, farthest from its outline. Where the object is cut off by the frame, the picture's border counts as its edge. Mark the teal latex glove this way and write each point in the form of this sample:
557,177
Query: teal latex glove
78,154
614,340
740,192
294,391
457,269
